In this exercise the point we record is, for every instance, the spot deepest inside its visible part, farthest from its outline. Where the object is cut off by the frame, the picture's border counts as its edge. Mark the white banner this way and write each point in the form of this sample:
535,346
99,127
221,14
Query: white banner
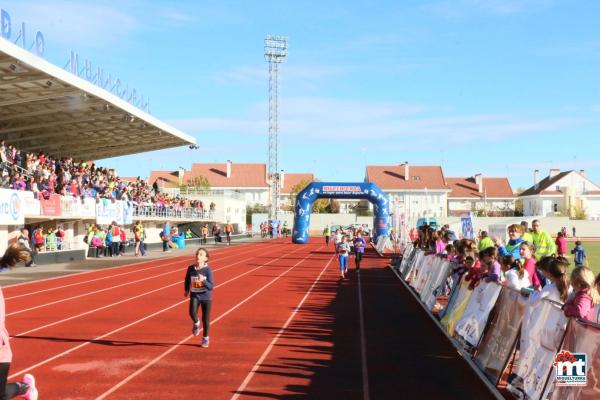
11,208
542,330
75,207
436,279
108,211
475,317
421,272
31,205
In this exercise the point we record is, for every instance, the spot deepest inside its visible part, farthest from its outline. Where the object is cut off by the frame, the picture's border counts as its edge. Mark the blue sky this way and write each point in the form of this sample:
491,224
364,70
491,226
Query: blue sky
500,87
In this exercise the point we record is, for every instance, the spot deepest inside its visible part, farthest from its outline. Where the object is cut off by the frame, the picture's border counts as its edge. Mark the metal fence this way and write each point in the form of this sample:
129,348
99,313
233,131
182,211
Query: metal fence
143,211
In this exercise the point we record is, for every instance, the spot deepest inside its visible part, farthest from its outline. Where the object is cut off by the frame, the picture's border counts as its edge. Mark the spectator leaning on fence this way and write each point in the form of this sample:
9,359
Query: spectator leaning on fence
526,251
557,288
544,245
586,295
516,277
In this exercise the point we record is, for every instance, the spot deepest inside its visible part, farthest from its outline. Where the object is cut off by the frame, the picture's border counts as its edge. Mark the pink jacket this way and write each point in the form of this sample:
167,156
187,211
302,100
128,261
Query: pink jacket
561,245
533,277
581,306
5,351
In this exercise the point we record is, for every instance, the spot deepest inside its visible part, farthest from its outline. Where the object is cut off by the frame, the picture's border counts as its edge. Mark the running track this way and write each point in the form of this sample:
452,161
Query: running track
283,326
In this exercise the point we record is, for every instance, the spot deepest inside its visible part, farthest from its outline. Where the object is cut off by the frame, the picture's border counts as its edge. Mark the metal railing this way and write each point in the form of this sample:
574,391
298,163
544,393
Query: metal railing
195,191
144,211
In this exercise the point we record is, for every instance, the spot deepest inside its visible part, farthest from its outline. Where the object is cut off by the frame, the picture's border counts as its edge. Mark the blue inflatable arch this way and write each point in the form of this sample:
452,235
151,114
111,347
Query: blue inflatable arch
337,190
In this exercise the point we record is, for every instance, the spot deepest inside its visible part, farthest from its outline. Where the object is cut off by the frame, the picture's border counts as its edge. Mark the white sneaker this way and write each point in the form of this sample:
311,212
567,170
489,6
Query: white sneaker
32,392
205,342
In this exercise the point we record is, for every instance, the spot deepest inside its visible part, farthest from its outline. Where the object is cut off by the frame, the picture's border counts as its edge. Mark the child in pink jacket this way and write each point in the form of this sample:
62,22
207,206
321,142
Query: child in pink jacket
26,388
582,304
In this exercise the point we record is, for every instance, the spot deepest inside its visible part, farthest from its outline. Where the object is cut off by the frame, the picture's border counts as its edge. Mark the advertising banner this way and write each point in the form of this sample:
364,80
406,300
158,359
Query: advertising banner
436,282
583,341
475,317
76,207
453,315
108,211
50,207
31,205
11,208
466,221
499,340
542,331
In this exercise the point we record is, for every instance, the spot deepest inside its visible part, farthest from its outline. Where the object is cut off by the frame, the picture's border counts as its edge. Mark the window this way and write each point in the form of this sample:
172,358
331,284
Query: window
416,178
555,207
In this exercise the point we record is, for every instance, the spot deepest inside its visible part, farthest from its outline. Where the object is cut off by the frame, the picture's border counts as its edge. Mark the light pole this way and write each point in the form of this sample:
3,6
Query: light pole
275,53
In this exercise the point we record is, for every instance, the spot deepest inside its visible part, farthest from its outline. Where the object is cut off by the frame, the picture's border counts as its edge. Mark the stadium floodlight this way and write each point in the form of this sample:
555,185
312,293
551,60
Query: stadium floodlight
276,51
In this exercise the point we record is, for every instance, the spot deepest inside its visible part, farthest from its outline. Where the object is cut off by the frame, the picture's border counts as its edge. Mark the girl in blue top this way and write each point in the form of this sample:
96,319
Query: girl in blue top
199,285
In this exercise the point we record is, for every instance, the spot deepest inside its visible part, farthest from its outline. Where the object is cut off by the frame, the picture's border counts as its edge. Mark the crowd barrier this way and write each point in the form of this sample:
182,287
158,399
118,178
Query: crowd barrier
511,339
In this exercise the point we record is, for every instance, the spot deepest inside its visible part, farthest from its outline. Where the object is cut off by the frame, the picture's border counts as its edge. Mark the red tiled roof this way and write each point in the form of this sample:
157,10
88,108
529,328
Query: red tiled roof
592,192
545,184
492,188
552,192
290,180
420,177
242,175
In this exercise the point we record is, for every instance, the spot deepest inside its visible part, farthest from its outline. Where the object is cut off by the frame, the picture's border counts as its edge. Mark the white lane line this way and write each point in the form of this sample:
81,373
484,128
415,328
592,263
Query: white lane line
133,323
168,263
363,347
174,347
99,291
111,268
264,355
112,304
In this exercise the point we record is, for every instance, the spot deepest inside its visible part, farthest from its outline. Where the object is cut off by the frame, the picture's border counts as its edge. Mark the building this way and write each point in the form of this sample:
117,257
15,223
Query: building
568,193
415,191
248,181
487,196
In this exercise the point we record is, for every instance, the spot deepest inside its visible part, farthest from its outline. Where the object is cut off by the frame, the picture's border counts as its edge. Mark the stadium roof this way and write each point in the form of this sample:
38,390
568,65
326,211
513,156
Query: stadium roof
45,108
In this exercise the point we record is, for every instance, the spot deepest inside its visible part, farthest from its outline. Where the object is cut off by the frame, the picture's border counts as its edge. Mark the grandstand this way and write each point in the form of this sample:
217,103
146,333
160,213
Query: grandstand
45,109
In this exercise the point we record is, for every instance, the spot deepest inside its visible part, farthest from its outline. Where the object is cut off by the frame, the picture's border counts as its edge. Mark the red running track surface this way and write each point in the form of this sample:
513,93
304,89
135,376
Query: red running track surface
283,326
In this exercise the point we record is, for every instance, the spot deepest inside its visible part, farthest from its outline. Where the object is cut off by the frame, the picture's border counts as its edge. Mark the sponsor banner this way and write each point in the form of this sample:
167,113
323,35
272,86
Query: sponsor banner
127,212
475,317
31,205
580,376
466,221
50,207
452,316
108,211
342,189
421,273
410,265
499,340
75,207
542,331
436,283
11,208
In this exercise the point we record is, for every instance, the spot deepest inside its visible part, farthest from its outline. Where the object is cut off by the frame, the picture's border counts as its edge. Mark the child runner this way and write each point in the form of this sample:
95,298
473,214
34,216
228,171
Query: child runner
343,251
359,249
26,388
561,244
586,295
199,285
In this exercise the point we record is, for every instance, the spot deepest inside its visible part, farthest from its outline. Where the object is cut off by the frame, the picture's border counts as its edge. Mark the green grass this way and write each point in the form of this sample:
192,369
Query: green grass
593,255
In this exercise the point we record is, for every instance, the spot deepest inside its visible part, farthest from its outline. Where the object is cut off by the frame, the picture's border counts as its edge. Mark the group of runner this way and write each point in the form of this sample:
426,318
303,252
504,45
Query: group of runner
346,243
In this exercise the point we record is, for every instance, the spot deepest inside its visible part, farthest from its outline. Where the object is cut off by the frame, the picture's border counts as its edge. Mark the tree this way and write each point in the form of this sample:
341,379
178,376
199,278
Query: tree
579,213
297,189
200,182
519,203
255,209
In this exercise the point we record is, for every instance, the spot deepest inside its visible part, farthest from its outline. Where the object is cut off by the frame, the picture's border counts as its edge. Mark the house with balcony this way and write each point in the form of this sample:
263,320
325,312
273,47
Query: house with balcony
567,193
481,195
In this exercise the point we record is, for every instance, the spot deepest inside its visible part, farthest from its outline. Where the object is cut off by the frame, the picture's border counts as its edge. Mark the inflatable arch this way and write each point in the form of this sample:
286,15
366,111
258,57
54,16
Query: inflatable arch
336,190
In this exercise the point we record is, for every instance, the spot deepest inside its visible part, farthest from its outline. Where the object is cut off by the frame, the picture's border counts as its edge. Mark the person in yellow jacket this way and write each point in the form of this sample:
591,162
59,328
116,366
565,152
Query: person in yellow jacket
544,244
527,236
484,241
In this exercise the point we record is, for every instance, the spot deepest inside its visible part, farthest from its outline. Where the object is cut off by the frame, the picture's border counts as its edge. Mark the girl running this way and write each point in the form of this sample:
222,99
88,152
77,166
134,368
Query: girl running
26,388
199,285
359,249
343,251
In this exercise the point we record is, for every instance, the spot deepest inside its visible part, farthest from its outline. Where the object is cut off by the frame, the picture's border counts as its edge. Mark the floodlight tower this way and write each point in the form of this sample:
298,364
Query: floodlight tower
276,50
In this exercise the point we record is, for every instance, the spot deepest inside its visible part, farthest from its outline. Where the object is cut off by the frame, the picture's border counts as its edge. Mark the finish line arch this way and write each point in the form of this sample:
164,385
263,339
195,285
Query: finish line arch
338,190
